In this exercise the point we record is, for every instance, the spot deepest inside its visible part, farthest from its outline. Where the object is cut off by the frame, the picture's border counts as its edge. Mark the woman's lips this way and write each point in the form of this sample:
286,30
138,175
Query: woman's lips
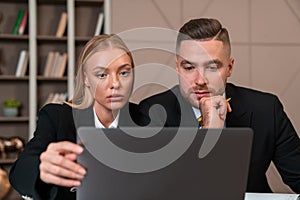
115,97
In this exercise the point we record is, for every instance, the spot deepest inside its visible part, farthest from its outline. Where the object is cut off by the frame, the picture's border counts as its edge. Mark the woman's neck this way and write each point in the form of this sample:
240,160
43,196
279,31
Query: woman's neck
105,116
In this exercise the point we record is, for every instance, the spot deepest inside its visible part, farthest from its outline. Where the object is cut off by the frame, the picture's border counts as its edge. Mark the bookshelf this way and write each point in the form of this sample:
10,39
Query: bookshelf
39,38
12,86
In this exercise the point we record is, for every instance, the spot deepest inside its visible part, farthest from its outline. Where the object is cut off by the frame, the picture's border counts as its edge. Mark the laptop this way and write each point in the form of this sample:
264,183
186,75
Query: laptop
164,163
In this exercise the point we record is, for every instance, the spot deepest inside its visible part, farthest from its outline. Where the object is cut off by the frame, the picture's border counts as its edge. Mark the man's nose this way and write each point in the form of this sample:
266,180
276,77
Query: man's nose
200,78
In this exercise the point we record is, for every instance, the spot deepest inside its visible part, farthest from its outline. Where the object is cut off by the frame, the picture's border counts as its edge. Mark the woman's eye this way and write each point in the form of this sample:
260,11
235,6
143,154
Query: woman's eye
101,75
125,73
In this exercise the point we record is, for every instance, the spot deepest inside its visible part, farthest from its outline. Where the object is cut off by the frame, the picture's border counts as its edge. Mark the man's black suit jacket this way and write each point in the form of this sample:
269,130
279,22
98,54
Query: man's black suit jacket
275,139
55,123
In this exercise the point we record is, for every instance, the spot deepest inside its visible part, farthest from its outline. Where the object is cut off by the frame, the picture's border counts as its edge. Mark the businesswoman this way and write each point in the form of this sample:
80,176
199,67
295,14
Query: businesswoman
47,168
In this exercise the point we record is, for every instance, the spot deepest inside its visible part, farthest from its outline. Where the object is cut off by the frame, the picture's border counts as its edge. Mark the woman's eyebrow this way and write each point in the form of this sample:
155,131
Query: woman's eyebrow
124,65
96,68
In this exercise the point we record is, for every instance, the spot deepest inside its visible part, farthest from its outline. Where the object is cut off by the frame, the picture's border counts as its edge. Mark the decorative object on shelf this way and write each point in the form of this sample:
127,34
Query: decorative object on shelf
4,184
11,107
12,145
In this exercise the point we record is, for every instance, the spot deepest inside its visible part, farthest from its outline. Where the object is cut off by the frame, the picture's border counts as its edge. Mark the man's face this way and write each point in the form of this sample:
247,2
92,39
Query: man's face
110,77
203,68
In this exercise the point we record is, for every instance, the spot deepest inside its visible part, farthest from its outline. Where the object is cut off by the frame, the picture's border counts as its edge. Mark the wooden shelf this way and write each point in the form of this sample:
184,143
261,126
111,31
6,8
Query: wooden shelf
13,78
88,2
14,1
8,161
43,78
82,39
14,119
13,37
62,2
51,38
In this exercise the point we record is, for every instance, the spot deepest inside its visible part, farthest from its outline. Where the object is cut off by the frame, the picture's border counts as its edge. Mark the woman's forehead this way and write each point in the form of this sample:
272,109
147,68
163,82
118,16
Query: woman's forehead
106,58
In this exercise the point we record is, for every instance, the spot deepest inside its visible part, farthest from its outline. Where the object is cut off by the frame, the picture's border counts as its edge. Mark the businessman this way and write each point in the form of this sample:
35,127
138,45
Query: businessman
204,63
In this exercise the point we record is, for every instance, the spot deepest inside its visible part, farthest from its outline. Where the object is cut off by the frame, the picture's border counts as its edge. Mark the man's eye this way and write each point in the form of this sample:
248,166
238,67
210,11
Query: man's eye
101,75
124,73
188,67
212,68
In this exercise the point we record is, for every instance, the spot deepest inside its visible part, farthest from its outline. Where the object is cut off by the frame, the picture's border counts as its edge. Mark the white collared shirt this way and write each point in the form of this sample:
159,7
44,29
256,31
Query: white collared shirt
98,124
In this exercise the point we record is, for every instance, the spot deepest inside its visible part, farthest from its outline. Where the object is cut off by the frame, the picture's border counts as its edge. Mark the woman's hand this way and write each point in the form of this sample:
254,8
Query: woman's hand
58,164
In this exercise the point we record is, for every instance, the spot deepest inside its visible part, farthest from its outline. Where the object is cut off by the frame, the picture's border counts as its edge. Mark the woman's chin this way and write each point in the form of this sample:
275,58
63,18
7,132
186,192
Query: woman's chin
116,105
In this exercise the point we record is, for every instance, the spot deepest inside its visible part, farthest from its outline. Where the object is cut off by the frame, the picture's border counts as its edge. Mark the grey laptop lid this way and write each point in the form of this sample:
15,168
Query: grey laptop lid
169,163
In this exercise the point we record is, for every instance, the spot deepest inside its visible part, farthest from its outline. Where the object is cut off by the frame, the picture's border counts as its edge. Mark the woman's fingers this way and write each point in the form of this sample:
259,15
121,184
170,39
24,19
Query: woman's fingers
58,164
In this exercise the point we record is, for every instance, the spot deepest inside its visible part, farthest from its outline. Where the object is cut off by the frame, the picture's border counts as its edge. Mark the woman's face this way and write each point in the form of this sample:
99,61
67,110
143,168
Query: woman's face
109,75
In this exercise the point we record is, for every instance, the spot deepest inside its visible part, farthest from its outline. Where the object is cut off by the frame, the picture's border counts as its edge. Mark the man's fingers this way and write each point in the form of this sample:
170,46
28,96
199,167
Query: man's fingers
214,110
229,109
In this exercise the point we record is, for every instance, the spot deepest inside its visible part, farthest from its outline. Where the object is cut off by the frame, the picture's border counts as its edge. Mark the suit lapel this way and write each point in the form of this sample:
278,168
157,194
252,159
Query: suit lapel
128,114
185,113
239,117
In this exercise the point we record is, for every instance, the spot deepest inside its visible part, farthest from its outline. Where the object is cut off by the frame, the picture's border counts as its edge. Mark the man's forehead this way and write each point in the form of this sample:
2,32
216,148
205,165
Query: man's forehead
195,49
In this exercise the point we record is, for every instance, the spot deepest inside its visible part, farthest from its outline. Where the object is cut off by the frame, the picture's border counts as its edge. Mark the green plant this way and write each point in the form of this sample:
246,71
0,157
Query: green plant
11,103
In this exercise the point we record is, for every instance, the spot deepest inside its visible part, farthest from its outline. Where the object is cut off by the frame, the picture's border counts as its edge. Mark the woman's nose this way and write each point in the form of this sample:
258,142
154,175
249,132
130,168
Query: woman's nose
115,82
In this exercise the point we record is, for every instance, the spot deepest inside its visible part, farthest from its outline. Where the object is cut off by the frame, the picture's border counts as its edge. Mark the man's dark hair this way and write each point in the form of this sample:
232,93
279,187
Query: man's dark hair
203,29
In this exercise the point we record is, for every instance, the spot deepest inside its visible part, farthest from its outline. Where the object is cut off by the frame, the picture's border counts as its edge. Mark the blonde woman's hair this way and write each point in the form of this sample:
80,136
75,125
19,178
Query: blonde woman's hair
83,97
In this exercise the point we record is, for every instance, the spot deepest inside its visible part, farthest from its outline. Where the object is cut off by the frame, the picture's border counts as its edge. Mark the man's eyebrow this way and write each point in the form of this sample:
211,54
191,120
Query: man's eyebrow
214,61
183,62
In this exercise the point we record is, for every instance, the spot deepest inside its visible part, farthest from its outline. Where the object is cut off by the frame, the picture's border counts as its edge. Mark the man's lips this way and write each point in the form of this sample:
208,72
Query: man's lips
201,94
115,97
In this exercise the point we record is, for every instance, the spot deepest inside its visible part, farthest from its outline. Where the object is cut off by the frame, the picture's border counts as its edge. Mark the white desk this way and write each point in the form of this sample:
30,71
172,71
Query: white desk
271,196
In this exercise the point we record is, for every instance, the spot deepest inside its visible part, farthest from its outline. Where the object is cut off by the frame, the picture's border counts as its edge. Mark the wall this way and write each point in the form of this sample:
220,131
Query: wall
265,42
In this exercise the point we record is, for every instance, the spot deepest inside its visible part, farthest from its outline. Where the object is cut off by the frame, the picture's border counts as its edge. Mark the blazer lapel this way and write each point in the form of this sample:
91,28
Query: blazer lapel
83,117
239,117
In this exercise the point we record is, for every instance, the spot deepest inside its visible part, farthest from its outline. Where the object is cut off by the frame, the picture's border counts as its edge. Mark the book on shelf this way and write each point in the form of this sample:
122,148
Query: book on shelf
23,23
62,65
54,62
61,28
22,63
18,22
99,24
48,64
57,65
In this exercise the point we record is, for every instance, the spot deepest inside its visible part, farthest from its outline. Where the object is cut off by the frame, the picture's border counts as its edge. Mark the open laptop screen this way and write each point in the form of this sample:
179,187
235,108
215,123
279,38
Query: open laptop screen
169,163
